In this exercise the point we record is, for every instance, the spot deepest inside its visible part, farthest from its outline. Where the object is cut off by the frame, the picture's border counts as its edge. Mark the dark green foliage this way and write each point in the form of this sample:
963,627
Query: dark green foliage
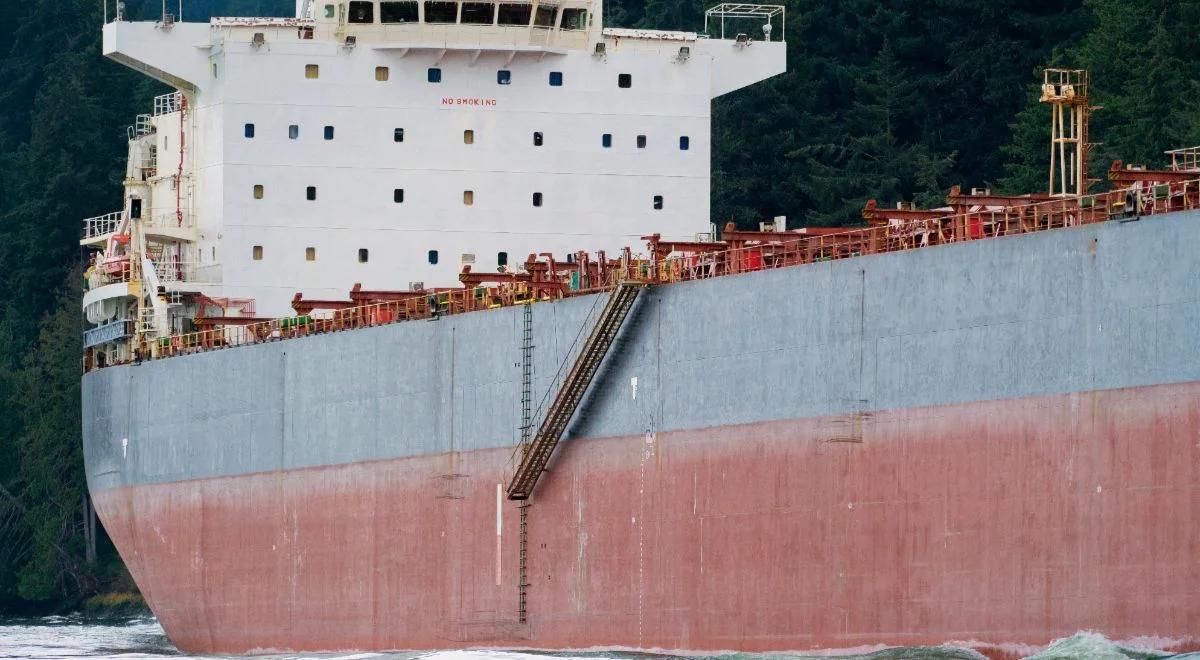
63,112
893,100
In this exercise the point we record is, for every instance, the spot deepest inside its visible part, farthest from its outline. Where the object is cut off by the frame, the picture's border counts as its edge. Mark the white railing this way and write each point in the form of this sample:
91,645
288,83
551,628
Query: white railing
736,12
102,224
168,103
1185,160
171,270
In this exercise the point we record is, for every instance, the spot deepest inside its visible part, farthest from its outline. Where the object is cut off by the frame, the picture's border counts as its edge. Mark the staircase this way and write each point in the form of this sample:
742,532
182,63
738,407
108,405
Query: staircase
538,451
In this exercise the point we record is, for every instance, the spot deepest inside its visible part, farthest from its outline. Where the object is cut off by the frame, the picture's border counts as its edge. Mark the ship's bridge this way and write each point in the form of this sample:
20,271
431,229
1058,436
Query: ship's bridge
533,25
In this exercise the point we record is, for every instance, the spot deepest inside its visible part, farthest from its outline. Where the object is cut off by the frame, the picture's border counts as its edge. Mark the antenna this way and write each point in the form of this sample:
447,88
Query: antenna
1066,91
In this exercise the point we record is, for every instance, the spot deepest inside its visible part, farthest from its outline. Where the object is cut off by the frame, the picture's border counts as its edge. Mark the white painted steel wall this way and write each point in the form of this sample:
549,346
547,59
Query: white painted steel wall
594,198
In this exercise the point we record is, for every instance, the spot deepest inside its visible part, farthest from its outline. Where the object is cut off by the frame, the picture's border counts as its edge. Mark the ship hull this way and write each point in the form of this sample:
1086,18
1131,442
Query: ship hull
993,442
1007,522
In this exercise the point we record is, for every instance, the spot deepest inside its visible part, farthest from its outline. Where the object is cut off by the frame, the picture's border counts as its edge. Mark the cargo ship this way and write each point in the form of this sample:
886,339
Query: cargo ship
330,404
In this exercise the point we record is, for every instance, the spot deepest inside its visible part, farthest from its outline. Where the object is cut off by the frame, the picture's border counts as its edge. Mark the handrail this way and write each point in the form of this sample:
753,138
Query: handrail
789,250
102,225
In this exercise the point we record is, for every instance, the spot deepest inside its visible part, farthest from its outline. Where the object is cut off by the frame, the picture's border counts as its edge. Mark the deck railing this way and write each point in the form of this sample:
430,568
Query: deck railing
790,250
102,225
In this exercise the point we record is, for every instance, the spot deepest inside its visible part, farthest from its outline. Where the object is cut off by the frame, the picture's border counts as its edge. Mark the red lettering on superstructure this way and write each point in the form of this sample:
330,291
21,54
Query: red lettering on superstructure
474,103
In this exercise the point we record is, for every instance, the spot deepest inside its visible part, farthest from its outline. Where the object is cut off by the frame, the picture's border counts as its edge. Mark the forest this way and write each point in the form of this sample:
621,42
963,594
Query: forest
889,100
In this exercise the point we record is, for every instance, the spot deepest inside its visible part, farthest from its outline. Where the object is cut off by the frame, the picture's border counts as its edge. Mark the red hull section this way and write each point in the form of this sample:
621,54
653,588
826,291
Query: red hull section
1001,522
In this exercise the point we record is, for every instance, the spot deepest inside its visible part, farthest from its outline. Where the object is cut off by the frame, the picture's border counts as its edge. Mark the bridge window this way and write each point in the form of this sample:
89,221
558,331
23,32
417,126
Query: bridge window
556,79
382,73
537,199
398,12
398,195
625,81
544,17
641,142
256,253
574,19
685,143
311,194
398,135
250,130
433,257
293,131
441,12
328,132
258,191
310,254
538,139
658,202
478,13
434,75
606,140
512,14
312,71
364,255
504,77
362,11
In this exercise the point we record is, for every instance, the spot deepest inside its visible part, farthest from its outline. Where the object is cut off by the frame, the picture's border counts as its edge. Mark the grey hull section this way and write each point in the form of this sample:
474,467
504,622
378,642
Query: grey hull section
1088,308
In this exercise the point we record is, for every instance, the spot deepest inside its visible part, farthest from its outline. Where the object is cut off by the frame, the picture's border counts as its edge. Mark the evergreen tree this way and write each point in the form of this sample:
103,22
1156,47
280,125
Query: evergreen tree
875,161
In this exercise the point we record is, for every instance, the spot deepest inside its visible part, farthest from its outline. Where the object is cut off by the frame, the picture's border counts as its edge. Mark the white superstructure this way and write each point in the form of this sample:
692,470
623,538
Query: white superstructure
389,143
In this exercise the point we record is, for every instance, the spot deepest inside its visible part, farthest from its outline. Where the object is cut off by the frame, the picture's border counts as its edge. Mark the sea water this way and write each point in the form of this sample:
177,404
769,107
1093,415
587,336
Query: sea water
142,637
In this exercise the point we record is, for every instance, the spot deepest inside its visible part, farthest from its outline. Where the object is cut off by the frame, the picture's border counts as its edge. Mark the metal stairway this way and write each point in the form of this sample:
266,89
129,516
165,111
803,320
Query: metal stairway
539,450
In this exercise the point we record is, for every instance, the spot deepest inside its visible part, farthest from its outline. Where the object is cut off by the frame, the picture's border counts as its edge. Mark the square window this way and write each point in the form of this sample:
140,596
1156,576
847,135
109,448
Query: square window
258,191
362,11
625,81
398,135
441,11
363,255
478,13
328,132
249,130
310,254
658,202
556,79
312,71
433,257
537,199
311,193
514,14
468,197
641,142
135,208
685,143
398,195
468,136
382,73
434,75
504,77
606,140
293,131
329,11
256,253
398,12
538,139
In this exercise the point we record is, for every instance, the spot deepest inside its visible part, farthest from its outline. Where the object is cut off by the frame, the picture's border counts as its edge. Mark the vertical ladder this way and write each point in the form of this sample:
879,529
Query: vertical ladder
526,433
523,585
539,450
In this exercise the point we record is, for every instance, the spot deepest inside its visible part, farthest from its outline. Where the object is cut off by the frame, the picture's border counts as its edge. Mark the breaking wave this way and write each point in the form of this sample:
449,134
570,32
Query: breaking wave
64,637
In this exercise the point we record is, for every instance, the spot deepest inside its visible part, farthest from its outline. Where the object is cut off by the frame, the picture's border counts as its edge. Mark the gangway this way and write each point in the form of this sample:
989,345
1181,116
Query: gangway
538,451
